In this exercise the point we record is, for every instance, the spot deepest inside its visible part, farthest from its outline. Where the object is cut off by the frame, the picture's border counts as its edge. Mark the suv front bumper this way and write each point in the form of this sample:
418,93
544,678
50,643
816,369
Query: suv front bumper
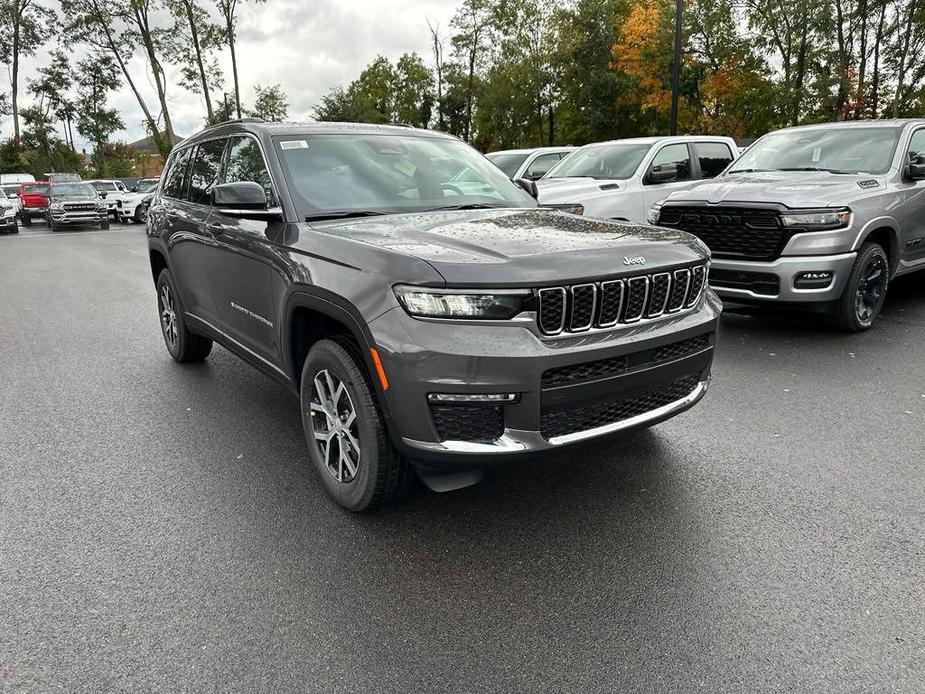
658,380
775,281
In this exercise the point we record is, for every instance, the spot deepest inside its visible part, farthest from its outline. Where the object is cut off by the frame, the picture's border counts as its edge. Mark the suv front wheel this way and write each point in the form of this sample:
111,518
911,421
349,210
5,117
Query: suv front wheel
863,298
347,438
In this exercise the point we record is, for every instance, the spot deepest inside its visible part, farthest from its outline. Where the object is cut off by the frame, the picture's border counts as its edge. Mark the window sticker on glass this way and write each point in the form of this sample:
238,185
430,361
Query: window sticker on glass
406,167
293,144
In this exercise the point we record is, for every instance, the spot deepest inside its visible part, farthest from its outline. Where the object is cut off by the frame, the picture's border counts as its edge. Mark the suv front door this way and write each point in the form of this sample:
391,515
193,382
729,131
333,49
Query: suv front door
242,264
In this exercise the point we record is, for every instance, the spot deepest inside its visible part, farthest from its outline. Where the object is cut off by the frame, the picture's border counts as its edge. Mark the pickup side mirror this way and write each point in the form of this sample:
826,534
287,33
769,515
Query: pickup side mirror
103,194
915,171
662,173
529,186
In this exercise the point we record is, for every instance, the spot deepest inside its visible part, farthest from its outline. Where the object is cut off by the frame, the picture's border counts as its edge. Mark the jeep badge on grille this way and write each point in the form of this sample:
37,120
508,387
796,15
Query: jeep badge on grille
634,260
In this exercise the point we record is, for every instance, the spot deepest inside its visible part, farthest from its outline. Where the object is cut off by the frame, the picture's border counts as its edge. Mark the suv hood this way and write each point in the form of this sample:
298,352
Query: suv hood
790,188
568,190
518,247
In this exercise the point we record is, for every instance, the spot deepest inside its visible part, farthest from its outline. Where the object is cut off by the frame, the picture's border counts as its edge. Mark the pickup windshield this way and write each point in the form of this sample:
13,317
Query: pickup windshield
73,190
616,161
833,149
35,188
335,176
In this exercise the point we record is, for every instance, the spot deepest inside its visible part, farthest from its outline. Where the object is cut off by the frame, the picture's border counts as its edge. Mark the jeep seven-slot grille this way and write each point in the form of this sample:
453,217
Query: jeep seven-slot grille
731,232
603,304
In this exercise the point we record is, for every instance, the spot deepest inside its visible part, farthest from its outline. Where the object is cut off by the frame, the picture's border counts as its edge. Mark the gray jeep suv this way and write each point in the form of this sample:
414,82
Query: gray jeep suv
428,321
820,216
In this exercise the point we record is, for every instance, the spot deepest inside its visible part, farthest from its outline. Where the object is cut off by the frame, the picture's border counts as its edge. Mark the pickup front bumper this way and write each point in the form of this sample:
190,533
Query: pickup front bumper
790,279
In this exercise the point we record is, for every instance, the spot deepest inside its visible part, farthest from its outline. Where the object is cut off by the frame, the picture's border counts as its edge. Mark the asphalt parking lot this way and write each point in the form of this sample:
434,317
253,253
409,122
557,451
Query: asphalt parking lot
161,530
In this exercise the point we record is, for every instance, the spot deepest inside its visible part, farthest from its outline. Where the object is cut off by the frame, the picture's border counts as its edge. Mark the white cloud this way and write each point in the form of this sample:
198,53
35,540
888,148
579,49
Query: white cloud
307,46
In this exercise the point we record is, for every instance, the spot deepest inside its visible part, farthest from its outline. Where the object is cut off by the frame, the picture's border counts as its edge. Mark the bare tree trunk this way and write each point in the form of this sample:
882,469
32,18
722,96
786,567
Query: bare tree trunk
438,68
862,68
229,25
901,70
194,32
140,14
875,91
14,76
798,77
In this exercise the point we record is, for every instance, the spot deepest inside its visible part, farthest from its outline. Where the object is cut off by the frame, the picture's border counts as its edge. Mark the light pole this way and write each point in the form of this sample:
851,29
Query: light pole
676,66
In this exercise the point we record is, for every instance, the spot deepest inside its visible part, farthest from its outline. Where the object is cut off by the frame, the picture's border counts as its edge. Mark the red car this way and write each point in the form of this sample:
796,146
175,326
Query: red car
33,201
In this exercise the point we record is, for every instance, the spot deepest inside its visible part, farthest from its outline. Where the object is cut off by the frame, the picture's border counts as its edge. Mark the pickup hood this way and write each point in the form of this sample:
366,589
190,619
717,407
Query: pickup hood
566,190
518,247
790,188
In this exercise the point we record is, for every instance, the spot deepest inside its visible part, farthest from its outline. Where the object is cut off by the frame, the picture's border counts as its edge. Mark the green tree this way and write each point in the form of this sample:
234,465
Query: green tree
52,87
25,26
472,24
97,77
270,103
336,106
414,98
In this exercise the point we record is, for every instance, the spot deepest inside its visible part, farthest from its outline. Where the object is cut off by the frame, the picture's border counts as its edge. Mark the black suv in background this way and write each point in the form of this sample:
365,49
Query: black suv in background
428,314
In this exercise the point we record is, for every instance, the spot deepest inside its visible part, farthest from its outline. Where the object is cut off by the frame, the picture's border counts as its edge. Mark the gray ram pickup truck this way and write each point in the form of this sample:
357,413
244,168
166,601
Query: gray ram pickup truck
428,314
821,216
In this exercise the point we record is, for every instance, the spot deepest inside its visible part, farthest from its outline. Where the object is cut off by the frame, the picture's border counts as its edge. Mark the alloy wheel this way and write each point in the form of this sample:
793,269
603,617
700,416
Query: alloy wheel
335,426
168,316
871,288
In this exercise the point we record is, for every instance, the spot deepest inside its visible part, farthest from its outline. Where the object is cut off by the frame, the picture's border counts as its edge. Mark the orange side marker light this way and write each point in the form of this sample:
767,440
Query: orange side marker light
379,370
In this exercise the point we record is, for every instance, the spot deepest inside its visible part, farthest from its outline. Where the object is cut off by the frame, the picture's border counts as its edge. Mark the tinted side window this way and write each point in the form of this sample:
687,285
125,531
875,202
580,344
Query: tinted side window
542,164
677,155
917,147
713,158
175,181
245,163
204,170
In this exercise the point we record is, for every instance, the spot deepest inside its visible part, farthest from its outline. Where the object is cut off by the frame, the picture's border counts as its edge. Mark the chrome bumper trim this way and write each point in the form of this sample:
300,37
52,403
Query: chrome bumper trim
519,440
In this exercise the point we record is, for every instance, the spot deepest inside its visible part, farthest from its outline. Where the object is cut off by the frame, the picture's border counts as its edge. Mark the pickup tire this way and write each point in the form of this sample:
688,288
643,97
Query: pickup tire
26,220
346,435
865,292
183,345
104,224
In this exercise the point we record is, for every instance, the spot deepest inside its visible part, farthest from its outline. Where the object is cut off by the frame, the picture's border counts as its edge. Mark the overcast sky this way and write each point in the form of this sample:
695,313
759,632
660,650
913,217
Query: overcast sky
307,46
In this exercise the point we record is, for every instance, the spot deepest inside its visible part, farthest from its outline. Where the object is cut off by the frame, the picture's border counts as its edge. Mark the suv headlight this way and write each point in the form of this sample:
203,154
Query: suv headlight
461,303
817,219
654,211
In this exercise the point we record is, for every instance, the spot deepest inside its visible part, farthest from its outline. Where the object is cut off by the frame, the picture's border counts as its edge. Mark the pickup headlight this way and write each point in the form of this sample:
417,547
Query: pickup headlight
461,303
56,207
817,219
101,206
654,211
570,207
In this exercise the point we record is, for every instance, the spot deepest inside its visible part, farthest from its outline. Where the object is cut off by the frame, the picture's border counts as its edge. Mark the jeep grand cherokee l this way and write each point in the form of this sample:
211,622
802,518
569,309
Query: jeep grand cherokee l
423,327
821,216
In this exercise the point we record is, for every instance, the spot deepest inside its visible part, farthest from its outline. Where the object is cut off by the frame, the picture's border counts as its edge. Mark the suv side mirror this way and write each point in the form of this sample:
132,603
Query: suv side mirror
244,199
663,173
529,186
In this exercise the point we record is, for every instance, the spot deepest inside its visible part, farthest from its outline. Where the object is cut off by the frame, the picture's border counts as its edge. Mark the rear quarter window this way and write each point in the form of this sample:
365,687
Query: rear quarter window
713,158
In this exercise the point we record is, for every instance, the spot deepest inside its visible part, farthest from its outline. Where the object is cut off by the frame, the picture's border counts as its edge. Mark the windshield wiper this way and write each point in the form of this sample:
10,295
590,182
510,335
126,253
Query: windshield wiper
468,206
343,214
816,168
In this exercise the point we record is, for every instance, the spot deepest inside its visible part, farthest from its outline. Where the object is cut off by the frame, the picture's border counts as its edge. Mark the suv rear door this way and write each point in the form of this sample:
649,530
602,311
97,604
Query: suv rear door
241,265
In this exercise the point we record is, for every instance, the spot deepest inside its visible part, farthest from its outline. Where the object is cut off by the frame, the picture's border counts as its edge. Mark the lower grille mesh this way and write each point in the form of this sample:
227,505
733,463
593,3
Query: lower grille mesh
468,422
570,421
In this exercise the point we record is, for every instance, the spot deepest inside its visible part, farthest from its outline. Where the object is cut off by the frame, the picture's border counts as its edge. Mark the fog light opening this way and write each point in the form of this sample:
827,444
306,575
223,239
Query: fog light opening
473,397
818,279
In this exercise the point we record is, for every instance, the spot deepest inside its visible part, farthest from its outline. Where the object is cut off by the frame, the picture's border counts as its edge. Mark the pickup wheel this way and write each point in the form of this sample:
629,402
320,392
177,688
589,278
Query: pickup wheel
865,292
346,435
26,220
104,224
183,345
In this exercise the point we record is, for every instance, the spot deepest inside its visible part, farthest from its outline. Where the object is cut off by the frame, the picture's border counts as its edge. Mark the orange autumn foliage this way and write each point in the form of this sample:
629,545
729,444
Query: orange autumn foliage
637,53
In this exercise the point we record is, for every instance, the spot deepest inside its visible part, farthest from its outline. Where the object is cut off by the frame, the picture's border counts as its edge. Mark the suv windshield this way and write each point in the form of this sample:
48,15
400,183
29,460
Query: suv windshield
508,163
839,150
356,174
70,190
618,161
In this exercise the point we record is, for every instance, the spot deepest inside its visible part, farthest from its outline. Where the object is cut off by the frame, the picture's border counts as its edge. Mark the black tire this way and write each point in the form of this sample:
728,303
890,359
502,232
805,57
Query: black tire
26,220
104,224
381,474
54,227
865,292
183,345
140,216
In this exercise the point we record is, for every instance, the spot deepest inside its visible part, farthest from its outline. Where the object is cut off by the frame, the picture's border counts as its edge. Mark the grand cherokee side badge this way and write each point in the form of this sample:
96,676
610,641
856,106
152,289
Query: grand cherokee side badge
634,260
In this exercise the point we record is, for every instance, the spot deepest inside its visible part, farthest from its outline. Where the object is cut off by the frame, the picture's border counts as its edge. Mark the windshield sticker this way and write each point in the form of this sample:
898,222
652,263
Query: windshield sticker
293,144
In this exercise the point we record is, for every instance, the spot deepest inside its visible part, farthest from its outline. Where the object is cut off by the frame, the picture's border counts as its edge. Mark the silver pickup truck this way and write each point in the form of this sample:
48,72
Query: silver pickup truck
820,216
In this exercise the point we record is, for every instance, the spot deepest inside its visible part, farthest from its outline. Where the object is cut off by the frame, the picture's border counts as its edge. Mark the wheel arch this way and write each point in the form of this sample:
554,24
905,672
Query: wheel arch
158,262
885,233
314,314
